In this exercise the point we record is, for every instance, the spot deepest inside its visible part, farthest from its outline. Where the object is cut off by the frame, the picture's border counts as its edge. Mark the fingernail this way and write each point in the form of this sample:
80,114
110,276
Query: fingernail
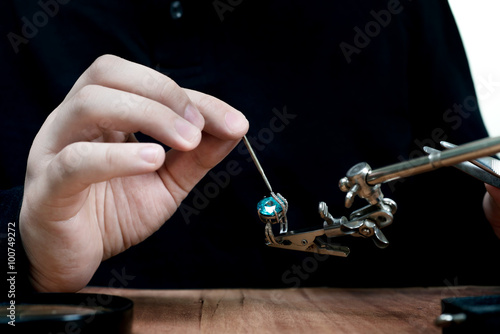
187,130
235,122
193,115
149,154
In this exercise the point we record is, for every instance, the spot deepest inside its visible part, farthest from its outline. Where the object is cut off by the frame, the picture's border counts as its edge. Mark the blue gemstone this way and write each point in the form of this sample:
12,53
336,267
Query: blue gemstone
268,206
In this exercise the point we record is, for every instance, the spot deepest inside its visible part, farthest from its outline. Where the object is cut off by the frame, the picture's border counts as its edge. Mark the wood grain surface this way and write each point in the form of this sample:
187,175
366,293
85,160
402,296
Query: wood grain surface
304,310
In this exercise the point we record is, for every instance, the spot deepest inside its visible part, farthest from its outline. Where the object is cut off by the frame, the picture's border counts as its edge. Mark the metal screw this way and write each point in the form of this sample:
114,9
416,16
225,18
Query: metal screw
366,231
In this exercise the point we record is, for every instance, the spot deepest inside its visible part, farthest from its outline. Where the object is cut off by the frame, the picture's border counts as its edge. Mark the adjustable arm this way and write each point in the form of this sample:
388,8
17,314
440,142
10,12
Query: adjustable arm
365,183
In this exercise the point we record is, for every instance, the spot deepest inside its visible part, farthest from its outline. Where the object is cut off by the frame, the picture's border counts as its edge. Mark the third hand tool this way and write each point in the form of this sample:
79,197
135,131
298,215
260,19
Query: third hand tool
367,222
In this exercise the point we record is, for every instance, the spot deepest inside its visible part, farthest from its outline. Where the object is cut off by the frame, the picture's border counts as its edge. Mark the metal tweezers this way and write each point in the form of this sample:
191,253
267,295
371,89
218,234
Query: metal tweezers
486,169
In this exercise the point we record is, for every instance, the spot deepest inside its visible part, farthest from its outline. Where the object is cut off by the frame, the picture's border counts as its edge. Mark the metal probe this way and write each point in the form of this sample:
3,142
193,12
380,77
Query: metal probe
256,162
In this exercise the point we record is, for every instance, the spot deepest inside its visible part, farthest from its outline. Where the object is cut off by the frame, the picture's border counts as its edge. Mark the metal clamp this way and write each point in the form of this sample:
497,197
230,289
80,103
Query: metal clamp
365,183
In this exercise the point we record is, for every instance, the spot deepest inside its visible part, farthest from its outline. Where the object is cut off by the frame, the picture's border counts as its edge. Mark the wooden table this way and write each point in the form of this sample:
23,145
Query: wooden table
304,310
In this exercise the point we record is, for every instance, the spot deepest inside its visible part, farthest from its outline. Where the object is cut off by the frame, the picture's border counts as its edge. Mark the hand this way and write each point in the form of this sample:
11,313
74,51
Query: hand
491,206
92,190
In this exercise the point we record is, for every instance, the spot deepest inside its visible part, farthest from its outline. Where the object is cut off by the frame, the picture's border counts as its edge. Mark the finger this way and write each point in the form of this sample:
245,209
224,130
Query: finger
183,170
491,206
118,73
221,119
96,110
81,164
224,128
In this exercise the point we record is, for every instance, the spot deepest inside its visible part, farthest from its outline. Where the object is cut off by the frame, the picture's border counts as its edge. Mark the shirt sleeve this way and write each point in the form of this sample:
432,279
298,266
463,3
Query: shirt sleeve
15,266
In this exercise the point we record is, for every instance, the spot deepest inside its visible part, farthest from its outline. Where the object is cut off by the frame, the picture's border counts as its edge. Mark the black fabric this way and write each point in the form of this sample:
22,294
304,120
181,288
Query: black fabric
323,89
15,279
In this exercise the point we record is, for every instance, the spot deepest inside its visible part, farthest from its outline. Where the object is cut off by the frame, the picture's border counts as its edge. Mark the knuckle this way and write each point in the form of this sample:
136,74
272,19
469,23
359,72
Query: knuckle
84,98
99,68
171,93
149,110
109,158
68,161
204,162
207,102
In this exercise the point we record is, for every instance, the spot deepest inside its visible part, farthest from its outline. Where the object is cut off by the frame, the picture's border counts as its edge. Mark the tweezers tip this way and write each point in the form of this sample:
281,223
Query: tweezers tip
446,144
427,149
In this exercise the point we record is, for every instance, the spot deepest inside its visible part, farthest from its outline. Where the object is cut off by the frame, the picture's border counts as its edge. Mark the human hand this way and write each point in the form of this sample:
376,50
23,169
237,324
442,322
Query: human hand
491,206
92,190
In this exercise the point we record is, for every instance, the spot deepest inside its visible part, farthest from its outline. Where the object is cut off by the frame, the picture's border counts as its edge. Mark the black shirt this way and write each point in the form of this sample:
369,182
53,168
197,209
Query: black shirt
324,85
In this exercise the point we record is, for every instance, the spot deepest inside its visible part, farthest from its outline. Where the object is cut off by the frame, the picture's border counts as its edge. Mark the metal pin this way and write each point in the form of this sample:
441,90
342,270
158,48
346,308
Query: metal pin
256,162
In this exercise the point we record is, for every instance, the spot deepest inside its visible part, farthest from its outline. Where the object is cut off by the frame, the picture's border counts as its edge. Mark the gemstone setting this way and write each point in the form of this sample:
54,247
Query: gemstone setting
272,210
268,207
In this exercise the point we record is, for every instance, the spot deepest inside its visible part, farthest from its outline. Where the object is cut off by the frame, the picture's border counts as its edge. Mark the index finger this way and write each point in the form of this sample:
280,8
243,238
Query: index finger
117,73
221,119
